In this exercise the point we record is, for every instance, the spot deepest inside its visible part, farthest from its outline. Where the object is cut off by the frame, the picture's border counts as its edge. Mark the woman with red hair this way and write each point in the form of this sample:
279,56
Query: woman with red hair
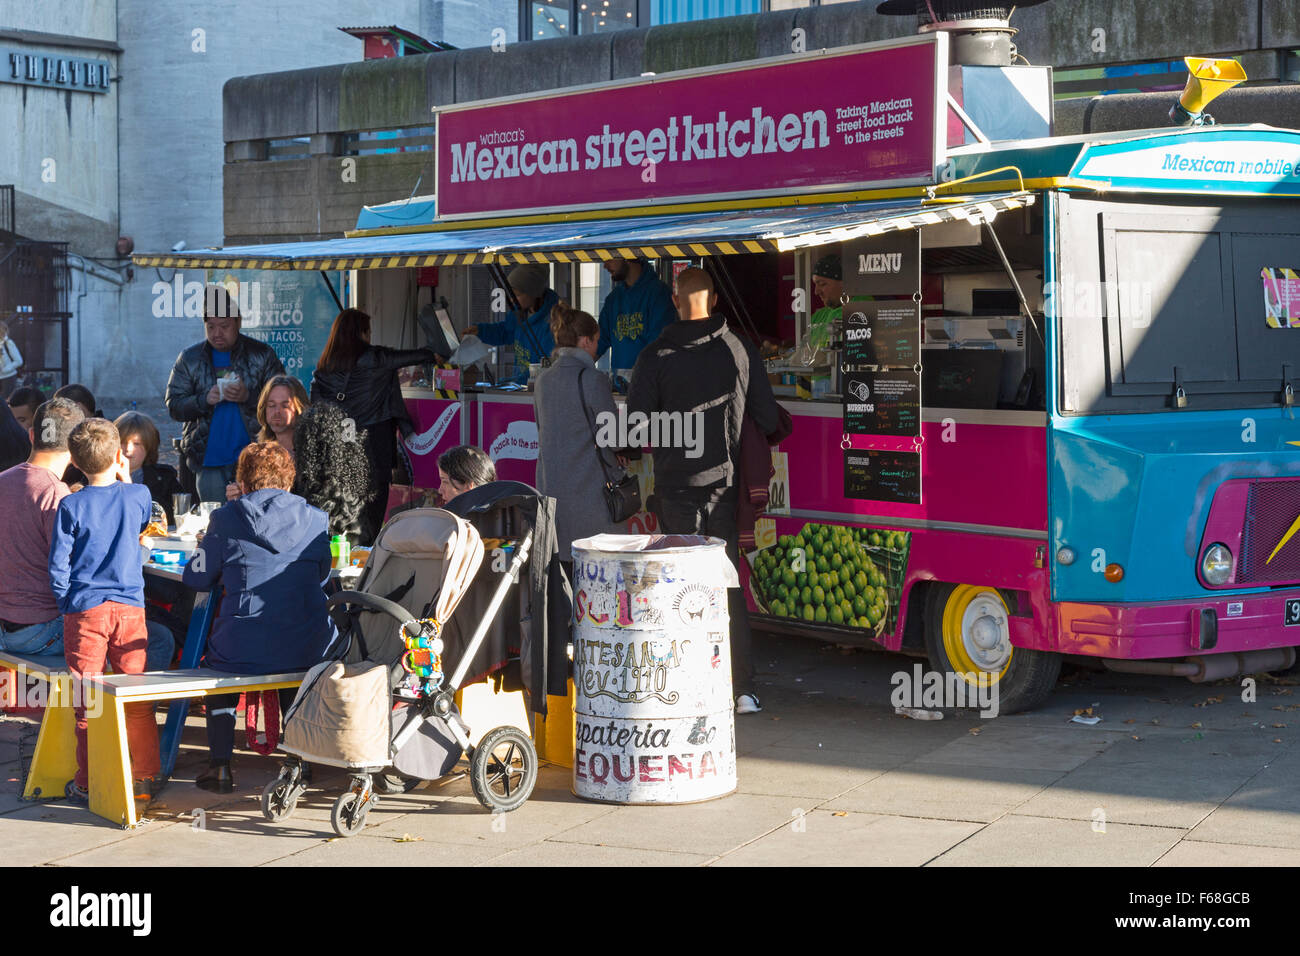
269,553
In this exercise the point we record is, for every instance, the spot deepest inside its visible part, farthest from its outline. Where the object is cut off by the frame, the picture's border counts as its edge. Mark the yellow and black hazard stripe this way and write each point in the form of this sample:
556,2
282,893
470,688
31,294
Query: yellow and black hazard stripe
662,250
196,261
415,261
937,209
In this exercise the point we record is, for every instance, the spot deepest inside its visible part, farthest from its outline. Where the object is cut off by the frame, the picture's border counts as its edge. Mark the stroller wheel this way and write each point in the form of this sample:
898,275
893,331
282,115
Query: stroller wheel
279,799
503,769
392,783
350,810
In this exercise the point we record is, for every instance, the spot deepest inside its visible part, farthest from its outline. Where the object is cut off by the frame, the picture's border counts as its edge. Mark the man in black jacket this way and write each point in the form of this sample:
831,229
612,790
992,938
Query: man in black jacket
704,371
220,418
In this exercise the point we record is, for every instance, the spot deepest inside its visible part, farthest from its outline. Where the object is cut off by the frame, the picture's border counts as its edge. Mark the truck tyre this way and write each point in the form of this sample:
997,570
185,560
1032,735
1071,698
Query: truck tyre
967,632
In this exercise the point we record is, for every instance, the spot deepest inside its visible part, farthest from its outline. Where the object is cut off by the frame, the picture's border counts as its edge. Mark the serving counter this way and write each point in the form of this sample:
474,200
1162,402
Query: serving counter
995,456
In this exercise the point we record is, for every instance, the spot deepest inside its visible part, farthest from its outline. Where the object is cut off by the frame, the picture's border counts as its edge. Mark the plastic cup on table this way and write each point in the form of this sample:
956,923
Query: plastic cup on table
180,505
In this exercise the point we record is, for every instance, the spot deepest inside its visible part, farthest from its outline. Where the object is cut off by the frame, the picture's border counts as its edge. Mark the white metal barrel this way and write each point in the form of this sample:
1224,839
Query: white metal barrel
652,669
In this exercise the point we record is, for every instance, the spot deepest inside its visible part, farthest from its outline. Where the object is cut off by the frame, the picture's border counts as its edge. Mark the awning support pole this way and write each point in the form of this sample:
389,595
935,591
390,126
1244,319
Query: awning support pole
498,274
731,295
330,285
1015,283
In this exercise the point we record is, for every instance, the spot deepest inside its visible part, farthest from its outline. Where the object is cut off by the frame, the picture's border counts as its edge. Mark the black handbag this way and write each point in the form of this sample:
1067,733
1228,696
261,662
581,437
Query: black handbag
622,497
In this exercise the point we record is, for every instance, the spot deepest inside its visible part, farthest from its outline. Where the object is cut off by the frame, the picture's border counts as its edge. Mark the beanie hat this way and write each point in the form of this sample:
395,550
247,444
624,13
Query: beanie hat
528,279
828,267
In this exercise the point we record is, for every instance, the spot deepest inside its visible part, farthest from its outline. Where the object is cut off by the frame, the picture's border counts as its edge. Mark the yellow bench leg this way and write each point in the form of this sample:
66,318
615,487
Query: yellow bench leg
554,733
109,762
54,762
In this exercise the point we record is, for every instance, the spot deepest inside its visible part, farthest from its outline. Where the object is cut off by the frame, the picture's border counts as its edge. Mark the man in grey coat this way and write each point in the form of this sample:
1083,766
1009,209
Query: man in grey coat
569,463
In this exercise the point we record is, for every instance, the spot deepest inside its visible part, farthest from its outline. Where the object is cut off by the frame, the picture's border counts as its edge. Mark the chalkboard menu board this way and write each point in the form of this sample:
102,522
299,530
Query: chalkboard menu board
887,402
886,333
882,475
882,265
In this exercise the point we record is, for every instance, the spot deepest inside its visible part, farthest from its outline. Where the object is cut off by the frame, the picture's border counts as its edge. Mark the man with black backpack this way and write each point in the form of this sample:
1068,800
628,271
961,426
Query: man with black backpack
700,368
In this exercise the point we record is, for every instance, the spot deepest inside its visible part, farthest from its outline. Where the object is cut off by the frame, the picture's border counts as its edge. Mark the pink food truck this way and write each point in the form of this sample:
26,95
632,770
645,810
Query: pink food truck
1042,387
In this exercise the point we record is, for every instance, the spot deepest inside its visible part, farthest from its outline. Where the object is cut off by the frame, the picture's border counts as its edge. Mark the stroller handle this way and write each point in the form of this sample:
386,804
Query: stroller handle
372,602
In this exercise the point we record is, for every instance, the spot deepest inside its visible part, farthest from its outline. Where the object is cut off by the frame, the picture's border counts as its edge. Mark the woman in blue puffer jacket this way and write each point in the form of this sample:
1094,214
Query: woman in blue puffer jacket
269,552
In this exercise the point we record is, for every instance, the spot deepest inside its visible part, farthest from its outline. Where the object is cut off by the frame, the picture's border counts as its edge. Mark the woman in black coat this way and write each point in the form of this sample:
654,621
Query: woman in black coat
362,379
15,445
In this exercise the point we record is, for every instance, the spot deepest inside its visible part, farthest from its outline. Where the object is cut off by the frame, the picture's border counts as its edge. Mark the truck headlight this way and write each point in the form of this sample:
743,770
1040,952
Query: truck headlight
1216,564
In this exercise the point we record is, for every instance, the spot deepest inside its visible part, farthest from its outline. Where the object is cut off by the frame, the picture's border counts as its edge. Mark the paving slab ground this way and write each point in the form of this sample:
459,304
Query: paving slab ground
1174,774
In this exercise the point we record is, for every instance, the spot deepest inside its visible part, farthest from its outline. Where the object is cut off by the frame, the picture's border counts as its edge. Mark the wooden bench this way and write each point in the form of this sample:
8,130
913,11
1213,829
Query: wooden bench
108,757
54,761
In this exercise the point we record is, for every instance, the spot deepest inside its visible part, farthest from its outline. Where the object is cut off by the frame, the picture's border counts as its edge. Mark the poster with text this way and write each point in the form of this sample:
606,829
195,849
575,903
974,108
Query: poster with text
290,311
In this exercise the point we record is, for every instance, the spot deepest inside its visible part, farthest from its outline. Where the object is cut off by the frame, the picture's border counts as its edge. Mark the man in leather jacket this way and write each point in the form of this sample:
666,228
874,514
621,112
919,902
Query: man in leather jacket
219,419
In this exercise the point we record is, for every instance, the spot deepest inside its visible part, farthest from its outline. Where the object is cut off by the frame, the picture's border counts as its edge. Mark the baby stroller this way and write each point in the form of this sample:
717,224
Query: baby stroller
382,707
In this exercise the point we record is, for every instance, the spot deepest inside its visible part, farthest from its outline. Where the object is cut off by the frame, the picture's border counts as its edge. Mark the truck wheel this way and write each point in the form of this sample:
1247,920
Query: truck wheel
967,632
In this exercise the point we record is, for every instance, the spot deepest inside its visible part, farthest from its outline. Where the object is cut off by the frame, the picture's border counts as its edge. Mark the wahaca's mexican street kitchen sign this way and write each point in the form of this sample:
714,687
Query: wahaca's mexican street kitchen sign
852,117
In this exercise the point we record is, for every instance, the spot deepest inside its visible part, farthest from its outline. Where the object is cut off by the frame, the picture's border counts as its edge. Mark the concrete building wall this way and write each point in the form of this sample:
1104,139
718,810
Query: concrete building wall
95,19
177,57
469,23
387,94
63,164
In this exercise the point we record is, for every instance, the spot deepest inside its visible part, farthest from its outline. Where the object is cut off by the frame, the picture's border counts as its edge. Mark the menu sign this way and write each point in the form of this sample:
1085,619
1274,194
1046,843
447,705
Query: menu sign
885,333
883,265
887,402
847,118
882,476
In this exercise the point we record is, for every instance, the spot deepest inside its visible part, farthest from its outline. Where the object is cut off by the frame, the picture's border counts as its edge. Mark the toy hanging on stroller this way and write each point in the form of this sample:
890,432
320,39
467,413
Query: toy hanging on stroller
384,708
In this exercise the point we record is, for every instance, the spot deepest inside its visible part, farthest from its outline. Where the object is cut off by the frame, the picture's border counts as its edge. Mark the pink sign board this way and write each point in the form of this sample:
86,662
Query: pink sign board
868,116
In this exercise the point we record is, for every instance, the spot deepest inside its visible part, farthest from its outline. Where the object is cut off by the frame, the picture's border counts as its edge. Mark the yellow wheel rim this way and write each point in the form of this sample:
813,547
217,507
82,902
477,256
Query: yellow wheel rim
976,634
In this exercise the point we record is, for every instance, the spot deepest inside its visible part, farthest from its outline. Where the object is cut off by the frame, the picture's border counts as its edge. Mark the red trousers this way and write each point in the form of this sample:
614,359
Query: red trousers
113,634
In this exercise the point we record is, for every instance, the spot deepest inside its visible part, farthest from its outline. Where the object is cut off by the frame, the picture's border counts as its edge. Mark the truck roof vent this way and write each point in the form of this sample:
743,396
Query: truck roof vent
981,33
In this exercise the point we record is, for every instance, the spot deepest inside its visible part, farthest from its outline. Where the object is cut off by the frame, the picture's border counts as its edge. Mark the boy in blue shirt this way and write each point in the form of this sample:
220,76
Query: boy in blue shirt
98,581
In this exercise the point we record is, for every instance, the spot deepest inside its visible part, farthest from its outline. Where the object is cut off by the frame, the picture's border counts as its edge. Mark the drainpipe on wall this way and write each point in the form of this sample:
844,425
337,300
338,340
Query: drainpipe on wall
87,269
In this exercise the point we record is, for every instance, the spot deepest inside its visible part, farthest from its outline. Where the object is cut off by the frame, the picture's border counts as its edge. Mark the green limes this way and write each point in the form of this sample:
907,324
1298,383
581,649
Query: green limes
818,595
787,577
836,615
778,608
808,613
819,615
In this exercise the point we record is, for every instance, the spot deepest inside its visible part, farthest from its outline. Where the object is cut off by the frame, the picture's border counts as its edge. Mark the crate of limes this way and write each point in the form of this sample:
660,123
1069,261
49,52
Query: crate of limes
822,575
888,549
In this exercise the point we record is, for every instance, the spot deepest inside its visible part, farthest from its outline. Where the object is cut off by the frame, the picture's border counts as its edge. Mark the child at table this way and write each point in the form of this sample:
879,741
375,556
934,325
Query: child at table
96,576
140,441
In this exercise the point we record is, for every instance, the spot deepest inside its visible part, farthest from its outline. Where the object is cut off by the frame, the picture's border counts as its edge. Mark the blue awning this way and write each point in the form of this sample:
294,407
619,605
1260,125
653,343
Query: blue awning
683,235
416,211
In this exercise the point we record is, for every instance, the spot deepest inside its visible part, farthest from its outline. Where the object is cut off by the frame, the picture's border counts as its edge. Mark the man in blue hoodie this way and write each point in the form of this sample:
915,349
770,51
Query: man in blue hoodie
636,310
531,337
